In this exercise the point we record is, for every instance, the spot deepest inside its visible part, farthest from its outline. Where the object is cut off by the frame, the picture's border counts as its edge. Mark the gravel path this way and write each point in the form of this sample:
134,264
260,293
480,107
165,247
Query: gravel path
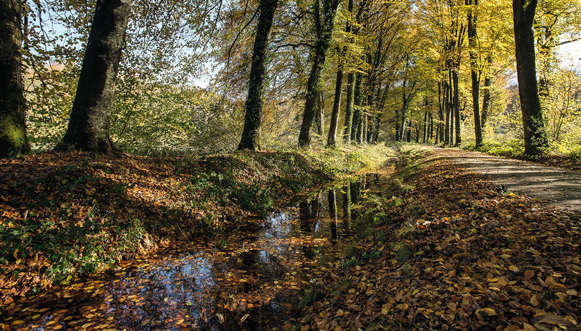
556,186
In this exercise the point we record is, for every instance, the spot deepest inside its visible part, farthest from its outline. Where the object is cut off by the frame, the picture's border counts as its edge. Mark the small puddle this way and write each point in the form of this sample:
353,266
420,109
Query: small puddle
252,279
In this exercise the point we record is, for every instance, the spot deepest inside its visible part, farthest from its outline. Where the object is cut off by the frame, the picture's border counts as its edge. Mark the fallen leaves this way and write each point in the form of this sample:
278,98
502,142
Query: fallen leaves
479,260
65,214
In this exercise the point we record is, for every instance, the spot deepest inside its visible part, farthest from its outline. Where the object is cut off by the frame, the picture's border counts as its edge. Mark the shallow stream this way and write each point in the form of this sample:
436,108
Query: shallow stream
251,279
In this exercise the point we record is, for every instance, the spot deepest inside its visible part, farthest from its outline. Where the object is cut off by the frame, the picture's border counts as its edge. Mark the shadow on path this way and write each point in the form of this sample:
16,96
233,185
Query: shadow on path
556,186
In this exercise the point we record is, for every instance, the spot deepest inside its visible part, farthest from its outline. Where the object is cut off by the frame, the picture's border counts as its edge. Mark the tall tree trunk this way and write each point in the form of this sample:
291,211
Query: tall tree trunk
431,135
363,134
320,116
376,124
368,134
451,106
12,104
457,107
475,71
486,94
348,127
535,136
89,124
357,113
325,24
404,108
446,101
332,138
254,103
398,136
418,128
380,108
440,126
425,137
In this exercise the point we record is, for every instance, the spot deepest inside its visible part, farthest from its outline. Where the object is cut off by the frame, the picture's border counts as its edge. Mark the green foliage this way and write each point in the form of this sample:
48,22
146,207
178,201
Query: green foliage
222,188
342,162
513,148
174,120
310,297
351,252
350,262
85,246
402,253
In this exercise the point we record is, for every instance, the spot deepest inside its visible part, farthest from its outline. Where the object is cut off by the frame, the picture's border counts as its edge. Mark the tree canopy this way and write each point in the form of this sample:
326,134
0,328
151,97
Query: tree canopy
433,71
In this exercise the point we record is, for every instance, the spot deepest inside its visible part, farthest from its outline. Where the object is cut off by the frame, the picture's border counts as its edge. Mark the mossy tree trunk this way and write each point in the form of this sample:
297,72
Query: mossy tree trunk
254,104
357,113
535,136
12,104
349,108
324,23
89,123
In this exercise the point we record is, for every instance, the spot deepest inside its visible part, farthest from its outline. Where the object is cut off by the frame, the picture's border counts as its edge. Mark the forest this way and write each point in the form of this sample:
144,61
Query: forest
204,77
286,165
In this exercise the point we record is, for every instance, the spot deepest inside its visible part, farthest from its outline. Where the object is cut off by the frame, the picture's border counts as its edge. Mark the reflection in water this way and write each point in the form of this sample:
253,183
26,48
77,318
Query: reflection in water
253,281
163,294
333,212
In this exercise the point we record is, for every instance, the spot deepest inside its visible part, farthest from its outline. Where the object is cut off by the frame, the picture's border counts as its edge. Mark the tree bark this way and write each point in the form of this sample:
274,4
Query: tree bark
431,135
332,138
397,126
357,113
475,71
403,112
13,138
348,126
486,98
535,136
440,126
250,139
325,26
320,115
446,101
89,124
380,108
425,137
457,107
369,119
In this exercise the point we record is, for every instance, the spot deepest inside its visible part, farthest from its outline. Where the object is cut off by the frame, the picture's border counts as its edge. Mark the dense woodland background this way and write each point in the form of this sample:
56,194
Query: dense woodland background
329,73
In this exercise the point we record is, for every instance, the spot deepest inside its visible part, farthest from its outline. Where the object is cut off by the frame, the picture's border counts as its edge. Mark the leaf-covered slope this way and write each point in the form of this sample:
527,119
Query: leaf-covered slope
67,213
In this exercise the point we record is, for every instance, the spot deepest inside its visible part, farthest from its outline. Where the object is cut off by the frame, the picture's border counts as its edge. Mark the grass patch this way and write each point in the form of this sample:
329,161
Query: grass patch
347,161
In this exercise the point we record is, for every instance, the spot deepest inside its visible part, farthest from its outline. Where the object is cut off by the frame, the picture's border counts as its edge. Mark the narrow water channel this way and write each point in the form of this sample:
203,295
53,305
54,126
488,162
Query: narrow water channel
251,279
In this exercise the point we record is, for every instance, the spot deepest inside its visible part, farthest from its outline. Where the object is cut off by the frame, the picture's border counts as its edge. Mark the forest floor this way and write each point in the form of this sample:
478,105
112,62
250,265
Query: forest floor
435,246
452,250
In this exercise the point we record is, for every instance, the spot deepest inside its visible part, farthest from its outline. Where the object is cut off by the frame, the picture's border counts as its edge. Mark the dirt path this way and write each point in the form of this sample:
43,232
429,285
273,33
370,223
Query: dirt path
553,185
